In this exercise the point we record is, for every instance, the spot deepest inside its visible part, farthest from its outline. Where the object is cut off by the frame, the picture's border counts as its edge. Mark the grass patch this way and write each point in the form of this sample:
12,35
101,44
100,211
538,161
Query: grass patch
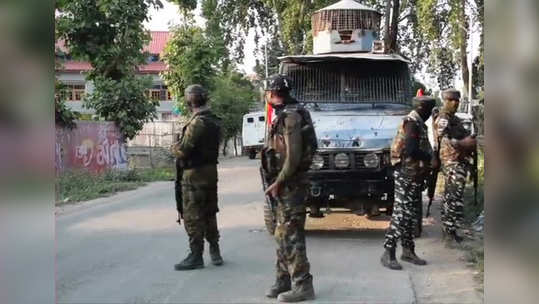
81,185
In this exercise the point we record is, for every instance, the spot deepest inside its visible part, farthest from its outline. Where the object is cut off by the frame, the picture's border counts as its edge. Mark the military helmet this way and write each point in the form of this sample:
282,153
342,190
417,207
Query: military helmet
427,101
279,82
196,95
451,94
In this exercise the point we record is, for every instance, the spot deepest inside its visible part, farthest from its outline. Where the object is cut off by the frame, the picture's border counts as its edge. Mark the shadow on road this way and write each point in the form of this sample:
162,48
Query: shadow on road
348,233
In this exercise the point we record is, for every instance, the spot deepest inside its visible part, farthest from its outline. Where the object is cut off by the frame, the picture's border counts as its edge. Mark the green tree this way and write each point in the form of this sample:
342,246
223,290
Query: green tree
110,35
446,25
190,59
232,97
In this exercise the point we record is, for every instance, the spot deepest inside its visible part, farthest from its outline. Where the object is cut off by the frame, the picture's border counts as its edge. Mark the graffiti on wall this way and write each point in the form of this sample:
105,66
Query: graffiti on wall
95,146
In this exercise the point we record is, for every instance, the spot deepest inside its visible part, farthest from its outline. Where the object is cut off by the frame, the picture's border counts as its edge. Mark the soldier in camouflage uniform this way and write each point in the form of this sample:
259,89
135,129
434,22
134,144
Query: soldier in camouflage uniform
455,145
411,155
289,150
197,151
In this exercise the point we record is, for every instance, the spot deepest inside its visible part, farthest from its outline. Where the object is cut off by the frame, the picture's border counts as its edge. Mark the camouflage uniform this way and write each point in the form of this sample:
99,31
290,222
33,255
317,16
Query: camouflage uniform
293,157
447,127
198,150
409,175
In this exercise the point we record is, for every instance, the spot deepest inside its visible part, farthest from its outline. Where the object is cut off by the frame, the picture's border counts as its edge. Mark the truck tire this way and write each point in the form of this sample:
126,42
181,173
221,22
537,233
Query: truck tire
269,219
252,154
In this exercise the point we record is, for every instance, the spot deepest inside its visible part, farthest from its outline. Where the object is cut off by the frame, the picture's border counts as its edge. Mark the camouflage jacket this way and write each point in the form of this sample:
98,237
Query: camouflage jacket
293,140
448,126
408,163
198,149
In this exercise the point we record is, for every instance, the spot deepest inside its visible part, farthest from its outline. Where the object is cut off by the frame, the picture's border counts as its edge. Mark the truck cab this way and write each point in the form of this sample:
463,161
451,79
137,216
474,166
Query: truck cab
357,102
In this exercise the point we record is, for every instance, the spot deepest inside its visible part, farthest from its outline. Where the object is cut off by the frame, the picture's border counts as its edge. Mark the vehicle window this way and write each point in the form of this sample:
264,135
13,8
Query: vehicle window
250,119
261,118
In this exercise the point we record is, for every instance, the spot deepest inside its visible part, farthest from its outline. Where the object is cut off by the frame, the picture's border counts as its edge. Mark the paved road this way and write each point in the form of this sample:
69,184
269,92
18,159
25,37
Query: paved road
122,250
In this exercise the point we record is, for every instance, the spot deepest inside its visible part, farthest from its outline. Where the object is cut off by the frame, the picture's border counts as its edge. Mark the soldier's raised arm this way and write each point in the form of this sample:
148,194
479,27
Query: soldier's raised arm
293,142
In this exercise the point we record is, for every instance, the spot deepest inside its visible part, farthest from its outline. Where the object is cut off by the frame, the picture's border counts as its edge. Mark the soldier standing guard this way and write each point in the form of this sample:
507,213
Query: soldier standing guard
197,152
455,145
411,155
286,157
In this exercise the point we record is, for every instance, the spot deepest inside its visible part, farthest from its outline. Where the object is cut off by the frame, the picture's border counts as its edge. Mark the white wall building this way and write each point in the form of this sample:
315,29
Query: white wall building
71,74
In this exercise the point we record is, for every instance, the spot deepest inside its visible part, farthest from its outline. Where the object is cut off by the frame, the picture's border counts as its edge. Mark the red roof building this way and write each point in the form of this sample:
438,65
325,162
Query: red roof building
155,47
71,75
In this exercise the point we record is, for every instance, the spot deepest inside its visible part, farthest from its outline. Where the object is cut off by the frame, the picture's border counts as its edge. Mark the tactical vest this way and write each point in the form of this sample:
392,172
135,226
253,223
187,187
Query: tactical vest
207,150
411,165
274,155
455,129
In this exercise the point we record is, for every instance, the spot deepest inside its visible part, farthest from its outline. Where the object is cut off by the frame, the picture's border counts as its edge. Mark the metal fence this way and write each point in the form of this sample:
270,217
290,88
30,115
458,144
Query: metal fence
351,82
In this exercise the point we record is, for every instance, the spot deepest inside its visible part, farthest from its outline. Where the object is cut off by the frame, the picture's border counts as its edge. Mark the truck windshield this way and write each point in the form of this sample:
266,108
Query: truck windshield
352,82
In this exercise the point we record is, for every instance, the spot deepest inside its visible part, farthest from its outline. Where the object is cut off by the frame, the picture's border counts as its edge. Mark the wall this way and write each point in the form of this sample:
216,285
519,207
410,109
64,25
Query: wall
93,145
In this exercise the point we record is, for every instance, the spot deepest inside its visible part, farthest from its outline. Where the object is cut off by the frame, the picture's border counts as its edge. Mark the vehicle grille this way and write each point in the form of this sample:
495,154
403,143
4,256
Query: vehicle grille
326,161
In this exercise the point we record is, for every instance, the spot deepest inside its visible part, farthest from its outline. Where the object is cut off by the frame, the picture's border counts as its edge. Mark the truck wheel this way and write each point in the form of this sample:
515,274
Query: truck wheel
269,219
252,154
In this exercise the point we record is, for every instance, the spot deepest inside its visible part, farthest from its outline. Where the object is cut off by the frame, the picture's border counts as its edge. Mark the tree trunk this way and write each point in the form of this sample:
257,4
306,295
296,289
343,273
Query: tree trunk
394,27
235,146
386,24
463,49
225,145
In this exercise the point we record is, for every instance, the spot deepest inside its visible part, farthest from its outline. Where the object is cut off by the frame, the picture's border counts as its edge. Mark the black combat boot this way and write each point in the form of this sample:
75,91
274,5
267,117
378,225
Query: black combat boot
389,260
215,254
193,261
408,255
281,285
300,292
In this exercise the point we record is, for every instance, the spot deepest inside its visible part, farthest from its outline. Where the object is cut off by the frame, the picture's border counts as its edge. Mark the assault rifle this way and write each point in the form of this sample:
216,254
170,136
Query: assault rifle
178,191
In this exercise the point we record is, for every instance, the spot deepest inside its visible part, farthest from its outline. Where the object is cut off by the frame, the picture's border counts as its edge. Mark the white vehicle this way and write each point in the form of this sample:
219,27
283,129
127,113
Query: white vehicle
253,133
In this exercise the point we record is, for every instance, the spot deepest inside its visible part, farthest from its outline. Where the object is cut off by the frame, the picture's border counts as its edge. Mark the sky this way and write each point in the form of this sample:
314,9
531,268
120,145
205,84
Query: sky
162,19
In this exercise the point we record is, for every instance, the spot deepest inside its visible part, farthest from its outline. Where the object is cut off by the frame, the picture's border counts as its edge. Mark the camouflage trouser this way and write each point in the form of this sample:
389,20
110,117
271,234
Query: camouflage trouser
453,205
199,213
292,260
405,208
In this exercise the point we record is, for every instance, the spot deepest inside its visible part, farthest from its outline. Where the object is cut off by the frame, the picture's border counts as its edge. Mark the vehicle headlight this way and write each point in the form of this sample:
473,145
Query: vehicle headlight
318,162
371,160
342,161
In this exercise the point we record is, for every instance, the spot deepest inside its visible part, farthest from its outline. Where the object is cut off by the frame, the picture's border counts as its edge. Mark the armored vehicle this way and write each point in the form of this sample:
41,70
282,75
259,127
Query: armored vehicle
357,95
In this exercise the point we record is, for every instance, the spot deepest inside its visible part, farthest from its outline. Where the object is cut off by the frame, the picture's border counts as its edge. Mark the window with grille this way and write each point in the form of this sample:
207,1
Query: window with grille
367,81
340,20
73,92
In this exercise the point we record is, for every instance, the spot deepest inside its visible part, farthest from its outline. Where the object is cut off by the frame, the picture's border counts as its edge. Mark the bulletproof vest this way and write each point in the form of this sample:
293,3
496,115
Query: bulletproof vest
207,150
308,135
399,142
